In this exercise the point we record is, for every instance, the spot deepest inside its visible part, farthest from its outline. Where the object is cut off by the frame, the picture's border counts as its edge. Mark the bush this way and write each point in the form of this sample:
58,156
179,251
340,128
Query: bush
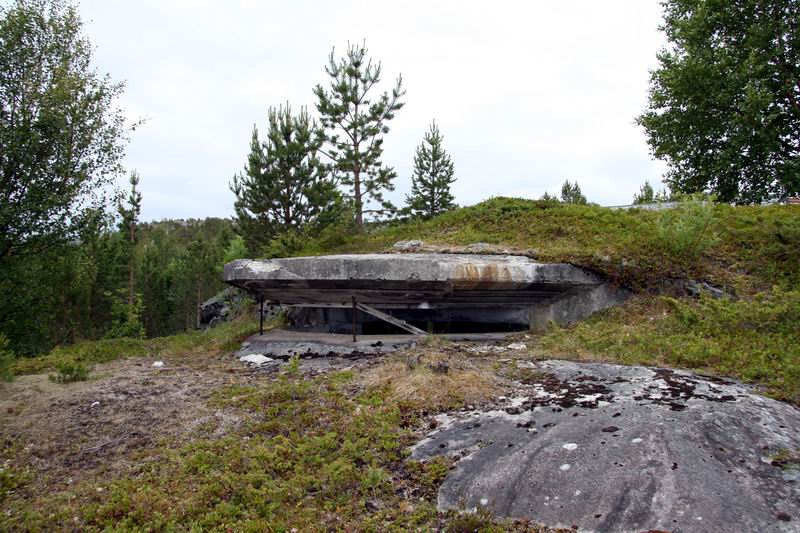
6,359
688,230
71,371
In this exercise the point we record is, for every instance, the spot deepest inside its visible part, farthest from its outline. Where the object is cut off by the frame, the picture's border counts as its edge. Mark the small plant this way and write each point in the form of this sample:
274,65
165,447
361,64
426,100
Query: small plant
293,366
70,372
688,230
471,522
6,360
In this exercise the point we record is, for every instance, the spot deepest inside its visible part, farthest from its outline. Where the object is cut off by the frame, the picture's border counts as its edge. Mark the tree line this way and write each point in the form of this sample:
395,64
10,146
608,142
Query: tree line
76,262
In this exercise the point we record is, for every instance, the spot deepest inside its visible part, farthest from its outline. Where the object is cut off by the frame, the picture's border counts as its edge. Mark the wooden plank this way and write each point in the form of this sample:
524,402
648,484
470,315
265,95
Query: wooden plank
402,324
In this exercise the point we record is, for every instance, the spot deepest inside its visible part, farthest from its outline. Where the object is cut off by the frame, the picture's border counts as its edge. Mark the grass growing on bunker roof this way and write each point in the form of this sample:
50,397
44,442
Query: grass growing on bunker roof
742,247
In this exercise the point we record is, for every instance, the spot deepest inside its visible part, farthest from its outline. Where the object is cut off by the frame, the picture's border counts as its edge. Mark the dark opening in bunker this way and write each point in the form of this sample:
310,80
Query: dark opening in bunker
437,321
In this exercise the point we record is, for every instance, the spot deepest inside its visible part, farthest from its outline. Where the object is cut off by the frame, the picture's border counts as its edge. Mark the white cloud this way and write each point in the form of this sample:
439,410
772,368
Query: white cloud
527,94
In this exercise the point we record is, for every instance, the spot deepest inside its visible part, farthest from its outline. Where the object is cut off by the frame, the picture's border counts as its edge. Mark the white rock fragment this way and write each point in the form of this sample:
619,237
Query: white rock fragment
255,358
565,467
636,441
95,404
516,346
158,364
570,446
484,501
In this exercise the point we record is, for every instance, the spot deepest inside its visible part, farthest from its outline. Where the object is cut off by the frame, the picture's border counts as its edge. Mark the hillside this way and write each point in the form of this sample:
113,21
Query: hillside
206,443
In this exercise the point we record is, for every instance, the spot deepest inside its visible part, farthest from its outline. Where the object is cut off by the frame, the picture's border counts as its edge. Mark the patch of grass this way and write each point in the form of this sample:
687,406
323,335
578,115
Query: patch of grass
786,458
417,380
744,247
756,339
313,454
70,372
223,338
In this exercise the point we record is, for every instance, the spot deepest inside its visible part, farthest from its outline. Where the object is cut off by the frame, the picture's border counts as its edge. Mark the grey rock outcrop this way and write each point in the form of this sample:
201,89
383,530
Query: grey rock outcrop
614,449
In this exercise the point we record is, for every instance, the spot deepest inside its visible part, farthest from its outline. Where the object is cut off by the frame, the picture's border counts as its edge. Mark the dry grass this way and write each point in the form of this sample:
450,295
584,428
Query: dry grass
416,379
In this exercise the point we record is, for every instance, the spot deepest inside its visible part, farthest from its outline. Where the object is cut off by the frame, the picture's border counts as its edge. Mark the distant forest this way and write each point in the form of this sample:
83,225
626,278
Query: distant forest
80,290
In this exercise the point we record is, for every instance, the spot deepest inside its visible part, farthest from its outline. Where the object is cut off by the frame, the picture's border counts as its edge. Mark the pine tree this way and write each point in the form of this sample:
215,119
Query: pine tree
645,195
571,193
284,185
354,128
433,175
129,219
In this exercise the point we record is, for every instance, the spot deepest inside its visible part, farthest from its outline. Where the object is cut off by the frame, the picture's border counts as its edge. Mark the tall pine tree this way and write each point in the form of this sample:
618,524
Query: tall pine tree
354,128
129,219
284,184
433,175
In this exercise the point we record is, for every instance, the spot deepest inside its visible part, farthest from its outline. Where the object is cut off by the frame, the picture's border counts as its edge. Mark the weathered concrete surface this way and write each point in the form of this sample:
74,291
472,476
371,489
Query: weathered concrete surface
408,279
430,288
281,344
613,448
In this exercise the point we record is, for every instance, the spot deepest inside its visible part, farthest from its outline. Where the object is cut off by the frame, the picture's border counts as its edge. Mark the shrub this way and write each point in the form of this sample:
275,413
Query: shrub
6,359
70,372
688,230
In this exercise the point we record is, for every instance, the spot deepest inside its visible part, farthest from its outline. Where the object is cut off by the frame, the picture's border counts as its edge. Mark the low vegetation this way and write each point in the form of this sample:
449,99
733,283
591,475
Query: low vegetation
433,380
745,249
312,454
757,340
223,338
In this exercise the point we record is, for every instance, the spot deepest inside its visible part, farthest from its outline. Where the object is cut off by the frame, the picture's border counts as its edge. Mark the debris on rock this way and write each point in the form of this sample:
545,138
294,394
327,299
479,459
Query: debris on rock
255,359
517,346
409,245
158,364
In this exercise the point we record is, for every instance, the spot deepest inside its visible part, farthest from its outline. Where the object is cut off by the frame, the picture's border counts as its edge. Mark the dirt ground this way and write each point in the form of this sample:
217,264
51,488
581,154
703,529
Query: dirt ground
111,423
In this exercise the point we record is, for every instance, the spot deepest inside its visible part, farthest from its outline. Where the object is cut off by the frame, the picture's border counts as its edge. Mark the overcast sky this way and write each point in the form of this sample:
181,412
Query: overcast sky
527,94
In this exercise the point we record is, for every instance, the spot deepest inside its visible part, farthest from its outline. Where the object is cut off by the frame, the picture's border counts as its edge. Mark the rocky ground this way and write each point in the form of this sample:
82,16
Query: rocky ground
595,446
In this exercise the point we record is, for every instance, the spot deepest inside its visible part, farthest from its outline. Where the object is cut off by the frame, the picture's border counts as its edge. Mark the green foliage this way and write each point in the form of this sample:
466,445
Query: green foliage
646,194
724,103
223,338
746,248
312,455
433,176
284,185
237,249
126,318
6,359
689,229
71,372
62,138
571,193
756,339
354,125
294,365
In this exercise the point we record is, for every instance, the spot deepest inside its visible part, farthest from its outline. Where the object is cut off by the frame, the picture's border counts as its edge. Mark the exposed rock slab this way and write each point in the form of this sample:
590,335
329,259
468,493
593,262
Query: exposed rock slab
614,448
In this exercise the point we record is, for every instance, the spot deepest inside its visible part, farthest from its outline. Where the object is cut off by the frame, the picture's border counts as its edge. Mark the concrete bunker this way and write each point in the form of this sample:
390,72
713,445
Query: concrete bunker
363,294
